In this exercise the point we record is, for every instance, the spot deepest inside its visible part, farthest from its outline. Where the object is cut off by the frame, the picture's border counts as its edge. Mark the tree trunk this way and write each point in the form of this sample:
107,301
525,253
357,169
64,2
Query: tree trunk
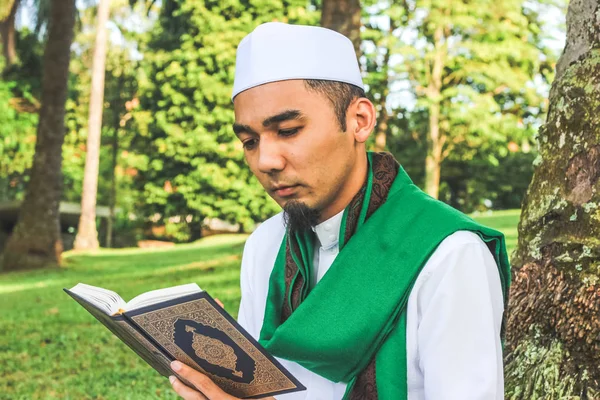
113,181
553,330
343,16
117,123
7,31
382,125
87,235
35,241
436,138
433,160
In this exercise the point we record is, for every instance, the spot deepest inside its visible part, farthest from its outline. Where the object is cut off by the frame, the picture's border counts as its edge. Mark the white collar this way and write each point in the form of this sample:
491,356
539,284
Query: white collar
328,232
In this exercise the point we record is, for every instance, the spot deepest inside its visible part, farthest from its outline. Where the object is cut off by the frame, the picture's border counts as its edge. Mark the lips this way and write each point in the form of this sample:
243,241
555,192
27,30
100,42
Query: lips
285,190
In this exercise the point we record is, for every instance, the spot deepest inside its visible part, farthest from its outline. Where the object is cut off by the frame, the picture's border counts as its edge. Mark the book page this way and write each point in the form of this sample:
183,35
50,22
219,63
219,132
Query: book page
106,300
111,303
160,295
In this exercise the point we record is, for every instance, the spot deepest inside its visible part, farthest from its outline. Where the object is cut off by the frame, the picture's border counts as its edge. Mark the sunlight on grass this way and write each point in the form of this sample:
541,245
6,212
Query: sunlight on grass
50,348
506,221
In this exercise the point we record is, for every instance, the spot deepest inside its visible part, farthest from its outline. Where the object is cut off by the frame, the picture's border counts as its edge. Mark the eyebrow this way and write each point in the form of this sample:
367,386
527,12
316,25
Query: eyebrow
287,115
239,128
284,116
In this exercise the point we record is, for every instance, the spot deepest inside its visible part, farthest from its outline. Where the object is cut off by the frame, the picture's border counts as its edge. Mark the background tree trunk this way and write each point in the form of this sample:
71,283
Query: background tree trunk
343,16
87,235
553,331
112,199
436,138
384,116
35,241
7,31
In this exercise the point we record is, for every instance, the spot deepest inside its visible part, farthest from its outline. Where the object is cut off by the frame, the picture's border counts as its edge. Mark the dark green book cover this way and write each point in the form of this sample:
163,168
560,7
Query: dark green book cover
195,330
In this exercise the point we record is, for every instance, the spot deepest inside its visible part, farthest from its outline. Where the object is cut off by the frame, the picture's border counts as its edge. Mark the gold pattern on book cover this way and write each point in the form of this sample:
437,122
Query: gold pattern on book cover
214,351
160,324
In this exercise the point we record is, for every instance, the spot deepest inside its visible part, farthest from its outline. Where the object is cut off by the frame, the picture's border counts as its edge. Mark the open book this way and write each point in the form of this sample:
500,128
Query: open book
184,323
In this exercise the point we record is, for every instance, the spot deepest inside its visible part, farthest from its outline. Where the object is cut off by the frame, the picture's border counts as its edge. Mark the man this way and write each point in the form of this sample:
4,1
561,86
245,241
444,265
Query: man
364,287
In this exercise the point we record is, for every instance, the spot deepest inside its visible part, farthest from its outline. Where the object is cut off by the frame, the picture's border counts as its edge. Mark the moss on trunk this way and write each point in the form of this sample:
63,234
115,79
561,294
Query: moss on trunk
553,337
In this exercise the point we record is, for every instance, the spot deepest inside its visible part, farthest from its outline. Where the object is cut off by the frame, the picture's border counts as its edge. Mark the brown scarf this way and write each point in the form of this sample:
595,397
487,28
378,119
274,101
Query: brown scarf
385,168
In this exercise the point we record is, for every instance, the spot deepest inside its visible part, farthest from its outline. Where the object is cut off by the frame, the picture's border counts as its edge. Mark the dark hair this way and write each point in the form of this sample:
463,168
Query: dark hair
299,217
339,93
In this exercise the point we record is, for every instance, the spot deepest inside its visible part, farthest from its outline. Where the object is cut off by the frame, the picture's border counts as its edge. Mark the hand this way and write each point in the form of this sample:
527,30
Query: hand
204,387
219,302
207,389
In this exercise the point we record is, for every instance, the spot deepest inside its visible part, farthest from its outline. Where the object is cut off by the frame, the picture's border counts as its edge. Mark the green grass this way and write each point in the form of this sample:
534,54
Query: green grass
505,221
50,348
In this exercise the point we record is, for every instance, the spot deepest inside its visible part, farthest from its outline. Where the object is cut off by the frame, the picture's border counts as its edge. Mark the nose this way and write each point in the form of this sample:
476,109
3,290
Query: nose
270,156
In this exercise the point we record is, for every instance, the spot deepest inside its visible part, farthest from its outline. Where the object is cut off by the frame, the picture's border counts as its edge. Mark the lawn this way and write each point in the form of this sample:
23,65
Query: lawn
50,348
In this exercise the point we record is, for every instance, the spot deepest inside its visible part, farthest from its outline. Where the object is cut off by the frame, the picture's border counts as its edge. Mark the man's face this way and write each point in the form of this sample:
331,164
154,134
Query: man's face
294,145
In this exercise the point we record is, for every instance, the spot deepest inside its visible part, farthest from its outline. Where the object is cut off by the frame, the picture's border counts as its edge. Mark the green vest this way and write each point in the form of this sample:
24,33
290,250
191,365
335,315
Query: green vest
357,311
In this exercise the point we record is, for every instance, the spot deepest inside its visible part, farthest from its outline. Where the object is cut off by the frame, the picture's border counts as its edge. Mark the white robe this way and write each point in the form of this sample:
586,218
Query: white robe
454,315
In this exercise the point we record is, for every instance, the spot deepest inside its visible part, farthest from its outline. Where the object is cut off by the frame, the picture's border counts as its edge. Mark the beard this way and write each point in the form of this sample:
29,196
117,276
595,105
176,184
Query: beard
299,217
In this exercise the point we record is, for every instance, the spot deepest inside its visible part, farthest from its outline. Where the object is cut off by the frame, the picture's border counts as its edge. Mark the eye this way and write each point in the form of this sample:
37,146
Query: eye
249,144
288,132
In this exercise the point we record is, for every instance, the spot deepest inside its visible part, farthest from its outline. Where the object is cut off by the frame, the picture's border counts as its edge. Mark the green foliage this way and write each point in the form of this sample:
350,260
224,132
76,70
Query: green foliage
18,121
168,81
195,167
494,79
17,132
119,98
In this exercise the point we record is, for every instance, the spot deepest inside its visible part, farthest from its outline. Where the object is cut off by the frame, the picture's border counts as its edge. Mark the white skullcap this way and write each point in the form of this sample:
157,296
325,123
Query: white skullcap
277,52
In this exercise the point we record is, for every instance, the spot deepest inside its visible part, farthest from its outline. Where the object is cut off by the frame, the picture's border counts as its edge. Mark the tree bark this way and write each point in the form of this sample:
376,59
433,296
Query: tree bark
553,330
87,234
436,138
343,16
382,125
35,241
7,31
113,181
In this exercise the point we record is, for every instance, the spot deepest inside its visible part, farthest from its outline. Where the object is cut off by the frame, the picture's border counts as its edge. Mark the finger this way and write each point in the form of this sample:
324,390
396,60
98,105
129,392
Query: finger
219,303
202,382
186,392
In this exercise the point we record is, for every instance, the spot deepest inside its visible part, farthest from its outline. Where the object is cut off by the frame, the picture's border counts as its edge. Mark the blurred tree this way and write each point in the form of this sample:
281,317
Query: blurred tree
19,96
195,166
8,12
8,31
87,235
35,241
493,178
117,165
471,66
343,16
553,331
385,21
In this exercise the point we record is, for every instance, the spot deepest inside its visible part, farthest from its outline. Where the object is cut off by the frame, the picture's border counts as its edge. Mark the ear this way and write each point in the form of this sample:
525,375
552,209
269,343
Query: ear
362,118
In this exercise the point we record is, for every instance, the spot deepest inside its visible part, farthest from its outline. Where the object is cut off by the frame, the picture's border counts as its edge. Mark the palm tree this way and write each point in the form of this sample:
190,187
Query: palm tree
8,12
35,241
87,235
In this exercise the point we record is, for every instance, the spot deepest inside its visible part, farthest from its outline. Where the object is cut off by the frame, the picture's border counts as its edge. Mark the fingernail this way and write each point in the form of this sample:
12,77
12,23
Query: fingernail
172,379
175,365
